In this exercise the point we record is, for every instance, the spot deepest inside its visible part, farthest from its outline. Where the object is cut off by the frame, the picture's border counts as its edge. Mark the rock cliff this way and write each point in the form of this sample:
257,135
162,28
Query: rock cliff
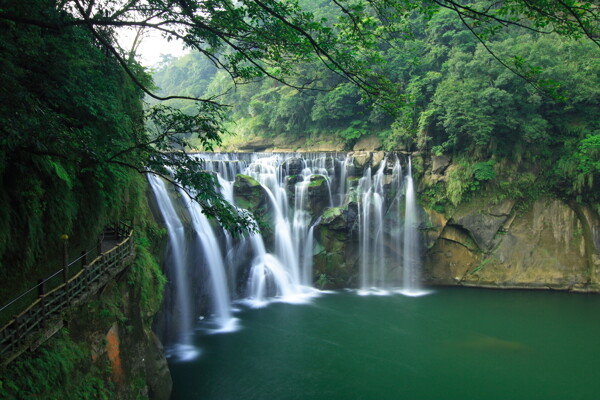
547,245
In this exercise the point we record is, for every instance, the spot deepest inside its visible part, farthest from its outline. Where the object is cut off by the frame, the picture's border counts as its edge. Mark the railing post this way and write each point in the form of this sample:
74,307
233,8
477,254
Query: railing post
18,328
41,287
65,239
43,310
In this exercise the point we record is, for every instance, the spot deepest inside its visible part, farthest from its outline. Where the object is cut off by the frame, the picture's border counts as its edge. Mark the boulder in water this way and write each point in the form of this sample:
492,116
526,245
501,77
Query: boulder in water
337,252
250,195
318,195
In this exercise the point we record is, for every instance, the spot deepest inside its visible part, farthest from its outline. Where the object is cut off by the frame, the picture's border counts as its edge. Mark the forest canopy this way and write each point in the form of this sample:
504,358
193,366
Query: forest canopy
516,79
522,92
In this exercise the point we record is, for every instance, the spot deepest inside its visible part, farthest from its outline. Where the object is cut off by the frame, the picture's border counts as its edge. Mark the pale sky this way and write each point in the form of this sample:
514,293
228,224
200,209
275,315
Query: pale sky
152,47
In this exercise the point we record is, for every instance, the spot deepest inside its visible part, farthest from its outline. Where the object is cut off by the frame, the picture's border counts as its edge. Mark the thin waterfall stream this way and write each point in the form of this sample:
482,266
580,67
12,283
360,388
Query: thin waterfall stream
180,318
412,257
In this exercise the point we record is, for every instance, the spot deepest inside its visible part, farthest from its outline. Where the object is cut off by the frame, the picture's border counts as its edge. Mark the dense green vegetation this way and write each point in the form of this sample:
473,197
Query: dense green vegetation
65,109
518,112
73,365
55,373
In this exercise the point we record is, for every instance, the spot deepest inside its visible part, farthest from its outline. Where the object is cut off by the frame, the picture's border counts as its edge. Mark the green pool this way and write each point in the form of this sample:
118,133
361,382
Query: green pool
452,344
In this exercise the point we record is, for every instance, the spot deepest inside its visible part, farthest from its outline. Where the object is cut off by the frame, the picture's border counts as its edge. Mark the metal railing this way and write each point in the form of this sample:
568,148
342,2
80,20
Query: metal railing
16,335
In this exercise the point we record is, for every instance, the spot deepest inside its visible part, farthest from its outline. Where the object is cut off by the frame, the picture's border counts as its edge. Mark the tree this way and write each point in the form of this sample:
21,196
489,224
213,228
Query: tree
251,39
248,40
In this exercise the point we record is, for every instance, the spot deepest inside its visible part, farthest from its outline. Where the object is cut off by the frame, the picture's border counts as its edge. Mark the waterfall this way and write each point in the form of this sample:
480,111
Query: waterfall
268,277
289,269
343,183
206,242
180,323
209,268
300,227
412,259
398,223
372,266
389,235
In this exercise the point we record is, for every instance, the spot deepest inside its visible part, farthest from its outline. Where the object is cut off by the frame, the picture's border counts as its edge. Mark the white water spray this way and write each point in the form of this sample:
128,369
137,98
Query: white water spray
182,304
412,259
207,242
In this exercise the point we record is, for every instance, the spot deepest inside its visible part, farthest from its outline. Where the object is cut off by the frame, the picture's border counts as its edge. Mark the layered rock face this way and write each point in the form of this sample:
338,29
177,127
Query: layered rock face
548,245
336,253
121,341
542,247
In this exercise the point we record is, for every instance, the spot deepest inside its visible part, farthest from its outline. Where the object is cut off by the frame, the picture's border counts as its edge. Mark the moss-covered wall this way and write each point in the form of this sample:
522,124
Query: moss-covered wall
106,348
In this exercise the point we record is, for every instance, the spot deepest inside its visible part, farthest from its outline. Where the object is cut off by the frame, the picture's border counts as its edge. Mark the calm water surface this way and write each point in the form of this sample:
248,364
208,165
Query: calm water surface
452,344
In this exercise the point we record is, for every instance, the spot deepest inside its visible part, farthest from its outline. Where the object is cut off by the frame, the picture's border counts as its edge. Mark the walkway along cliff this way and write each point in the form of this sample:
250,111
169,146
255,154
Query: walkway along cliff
43,318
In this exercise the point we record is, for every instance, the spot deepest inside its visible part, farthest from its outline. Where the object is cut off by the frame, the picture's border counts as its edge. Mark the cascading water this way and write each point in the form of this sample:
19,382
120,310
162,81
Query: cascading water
267,275
411,285
397,231
284,268
380,267
370,208
301,228
288,272
180,323
208,245
279,265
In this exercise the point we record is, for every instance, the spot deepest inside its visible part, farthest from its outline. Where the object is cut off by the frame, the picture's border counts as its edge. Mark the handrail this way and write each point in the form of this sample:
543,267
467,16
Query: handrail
15,336
121,228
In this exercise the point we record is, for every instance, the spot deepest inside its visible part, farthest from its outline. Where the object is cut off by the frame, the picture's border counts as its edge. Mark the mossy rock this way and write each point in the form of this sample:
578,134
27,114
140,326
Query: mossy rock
248,193
361,159
318,195
334,218
334,269
293,166
317,181
331,240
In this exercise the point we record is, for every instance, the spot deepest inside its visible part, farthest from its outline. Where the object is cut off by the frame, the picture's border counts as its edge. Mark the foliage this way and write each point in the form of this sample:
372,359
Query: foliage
452,73
459,100
464,178
578,171
484,171
54,373
459,182
64,108
147,278
434,197
323,281
480,80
